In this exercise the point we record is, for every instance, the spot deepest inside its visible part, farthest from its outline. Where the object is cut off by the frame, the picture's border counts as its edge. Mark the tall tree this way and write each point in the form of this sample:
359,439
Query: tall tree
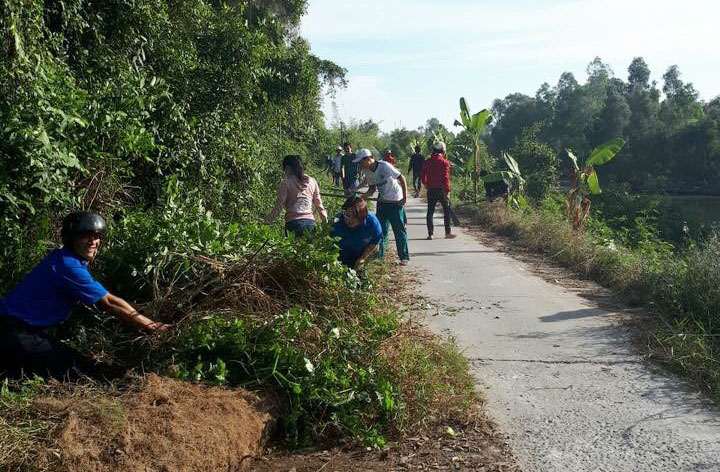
639,74
681,106
512,114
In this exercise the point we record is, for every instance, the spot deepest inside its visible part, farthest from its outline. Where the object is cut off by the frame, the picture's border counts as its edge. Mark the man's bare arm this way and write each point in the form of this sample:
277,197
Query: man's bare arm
125,311
403,185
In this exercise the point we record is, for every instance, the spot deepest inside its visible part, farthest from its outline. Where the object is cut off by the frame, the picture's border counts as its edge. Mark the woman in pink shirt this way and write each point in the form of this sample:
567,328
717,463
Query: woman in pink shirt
297,194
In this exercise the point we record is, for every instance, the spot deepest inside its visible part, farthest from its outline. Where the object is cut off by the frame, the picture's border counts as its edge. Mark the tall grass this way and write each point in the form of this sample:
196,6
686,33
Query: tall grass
681,289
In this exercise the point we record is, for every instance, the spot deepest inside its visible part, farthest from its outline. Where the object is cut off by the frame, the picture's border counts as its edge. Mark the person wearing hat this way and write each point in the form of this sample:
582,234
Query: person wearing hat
388,157
337,165
349,170
436,178
46,296
392,195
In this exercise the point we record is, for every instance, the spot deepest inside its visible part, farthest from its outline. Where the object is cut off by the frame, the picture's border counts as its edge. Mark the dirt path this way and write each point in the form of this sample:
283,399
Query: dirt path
560,375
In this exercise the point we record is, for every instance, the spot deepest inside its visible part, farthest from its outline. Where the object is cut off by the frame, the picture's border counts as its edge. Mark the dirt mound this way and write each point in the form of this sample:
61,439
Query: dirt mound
165,425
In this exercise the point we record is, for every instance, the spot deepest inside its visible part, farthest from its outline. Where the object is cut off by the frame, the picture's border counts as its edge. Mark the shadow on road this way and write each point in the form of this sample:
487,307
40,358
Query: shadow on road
442,253
573,315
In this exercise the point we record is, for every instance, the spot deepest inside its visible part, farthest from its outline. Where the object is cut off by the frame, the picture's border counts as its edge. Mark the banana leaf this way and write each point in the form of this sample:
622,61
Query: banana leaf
604,152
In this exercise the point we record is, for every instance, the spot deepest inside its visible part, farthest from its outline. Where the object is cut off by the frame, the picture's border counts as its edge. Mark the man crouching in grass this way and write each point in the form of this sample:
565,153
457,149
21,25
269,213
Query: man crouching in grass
359,232
46,297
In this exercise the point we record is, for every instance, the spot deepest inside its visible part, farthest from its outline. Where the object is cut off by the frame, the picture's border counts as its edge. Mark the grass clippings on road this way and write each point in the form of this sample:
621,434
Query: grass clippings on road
476,446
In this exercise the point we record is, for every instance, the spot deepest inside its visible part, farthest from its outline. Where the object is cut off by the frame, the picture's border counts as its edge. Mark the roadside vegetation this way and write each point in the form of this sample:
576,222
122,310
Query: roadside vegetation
624,234
171,120
680,289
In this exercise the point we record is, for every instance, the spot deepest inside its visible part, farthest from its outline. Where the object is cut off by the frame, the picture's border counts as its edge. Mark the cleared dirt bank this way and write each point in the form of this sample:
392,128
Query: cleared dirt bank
162,425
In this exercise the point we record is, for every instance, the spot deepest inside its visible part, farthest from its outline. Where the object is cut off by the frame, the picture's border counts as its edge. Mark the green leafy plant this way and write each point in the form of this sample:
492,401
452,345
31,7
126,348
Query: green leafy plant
515,181
415,142
585,180
475,125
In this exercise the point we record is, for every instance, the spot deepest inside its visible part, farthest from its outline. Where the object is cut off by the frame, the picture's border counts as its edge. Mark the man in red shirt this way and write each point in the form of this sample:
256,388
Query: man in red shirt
388,157
436,178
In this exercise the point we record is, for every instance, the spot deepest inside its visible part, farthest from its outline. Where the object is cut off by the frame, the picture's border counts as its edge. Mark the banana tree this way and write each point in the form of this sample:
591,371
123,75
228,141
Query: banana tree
585,180
475,125
415,142
514,180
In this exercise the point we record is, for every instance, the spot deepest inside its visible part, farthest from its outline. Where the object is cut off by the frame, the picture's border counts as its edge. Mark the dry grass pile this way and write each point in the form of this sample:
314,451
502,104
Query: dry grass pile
158,424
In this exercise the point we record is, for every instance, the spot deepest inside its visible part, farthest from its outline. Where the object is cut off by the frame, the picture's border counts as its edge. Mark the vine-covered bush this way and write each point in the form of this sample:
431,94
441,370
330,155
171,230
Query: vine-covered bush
103,101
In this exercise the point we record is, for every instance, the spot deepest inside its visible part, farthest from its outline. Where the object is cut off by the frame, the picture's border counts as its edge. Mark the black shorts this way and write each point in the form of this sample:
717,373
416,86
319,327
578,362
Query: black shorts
26,350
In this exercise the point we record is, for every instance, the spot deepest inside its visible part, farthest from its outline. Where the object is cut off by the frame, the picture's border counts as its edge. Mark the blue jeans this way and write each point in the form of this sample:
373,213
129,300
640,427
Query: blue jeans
300,227
393,214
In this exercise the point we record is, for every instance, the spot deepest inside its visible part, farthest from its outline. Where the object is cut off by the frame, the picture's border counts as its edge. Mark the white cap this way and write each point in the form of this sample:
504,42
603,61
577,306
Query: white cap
339,148
362,154
439,146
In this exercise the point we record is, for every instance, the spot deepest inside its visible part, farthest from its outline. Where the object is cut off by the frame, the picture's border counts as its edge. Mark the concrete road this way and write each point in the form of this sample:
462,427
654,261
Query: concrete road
560,375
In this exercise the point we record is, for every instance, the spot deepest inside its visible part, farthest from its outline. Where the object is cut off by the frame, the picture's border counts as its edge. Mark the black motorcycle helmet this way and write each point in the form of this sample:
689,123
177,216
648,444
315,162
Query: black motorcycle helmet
80,222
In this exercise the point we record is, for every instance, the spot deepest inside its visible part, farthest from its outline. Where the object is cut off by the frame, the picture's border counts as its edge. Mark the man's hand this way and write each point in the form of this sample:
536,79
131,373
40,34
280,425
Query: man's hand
403,201
360,263
157,326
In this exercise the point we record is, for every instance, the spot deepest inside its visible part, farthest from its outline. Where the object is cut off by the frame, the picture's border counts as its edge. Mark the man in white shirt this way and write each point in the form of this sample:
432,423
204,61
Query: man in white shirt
392,195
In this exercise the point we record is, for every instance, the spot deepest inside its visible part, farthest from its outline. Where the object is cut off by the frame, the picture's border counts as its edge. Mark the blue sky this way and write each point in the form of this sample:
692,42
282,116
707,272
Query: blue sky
409,60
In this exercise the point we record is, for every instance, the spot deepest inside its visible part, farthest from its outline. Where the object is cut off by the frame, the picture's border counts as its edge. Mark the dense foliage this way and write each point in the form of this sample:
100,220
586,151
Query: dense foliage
673,138
170,118
105,103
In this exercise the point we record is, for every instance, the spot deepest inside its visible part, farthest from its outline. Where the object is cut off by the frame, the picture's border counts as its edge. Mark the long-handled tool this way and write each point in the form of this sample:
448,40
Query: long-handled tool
342,195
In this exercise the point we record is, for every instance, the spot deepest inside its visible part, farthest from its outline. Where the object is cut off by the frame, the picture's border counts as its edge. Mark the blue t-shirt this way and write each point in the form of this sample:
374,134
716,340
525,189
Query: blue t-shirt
47,295
353,241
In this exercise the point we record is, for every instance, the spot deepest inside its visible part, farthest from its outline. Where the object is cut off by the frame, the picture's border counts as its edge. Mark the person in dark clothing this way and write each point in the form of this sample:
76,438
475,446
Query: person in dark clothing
328,167
416,164
436,178
45,298
349,170
359,231
337,165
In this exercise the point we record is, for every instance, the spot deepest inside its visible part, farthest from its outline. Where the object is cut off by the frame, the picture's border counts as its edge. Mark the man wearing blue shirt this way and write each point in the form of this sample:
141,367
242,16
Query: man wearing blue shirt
359,231
46,297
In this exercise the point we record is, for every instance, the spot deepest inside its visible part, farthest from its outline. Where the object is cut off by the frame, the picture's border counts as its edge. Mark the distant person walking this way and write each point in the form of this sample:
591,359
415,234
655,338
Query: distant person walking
328,168
349,170
392,195
436,177
359,232
337,165
297,194
416,165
